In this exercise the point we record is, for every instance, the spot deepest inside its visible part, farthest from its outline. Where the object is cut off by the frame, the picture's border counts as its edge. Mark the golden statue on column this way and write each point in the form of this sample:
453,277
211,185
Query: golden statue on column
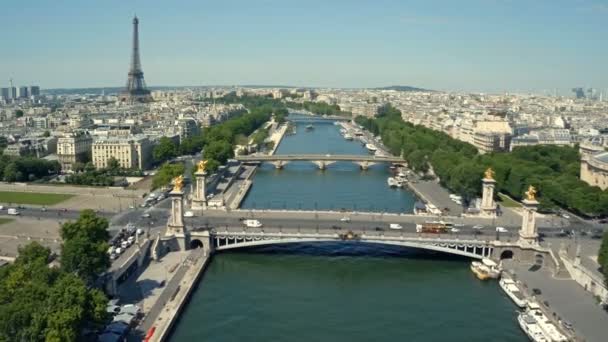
531,193
178,183
201,165
489,173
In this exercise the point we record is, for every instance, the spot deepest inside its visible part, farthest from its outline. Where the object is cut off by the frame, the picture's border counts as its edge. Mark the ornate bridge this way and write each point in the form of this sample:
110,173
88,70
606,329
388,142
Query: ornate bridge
321,160
224,240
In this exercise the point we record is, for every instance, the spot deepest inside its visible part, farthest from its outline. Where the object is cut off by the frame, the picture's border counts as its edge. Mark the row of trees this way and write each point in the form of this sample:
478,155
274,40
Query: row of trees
42,303
554,170
86,174
26,169
218,141
166,173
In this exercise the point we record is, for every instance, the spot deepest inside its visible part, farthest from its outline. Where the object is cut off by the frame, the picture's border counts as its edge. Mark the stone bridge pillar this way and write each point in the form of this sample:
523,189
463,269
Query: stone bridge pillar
488,206
176,227
365,165
279,164
199,199
528,234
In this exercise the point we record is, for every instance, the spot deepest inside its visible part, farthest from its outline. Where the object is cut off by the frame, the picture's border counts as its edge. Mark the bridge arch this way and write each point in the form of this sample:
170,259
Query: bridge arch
506,254
196,243
470,251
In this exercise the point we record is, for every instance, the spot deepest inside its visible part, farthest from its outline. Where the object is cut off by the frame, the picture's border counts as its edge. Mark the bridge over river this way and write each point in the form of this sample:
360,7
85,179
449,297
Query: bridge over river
321,160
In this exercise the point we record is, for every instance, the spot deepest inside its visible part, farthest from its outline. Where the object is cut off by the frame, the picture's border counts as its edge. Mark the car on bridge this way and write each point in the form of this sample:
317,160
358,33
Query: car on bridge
395,226
252,223
501,230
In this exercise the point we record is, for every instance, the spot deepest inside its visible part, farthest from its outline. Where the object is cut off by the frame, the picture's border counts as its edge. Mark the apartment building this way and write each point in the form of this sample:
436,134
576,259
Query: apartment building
134,152
74,147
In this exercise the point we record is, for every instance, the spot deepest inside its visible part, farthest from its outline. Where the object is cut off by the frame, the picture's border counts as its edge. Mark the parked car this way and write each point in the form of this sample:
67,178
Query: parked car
188,214
477,227
454,230
145,215
345,219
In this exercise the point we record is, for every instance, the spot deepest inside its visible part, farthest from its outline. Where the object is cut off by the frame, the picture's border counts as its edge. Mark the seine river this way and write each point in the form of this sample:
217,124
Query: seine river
340,291
301,185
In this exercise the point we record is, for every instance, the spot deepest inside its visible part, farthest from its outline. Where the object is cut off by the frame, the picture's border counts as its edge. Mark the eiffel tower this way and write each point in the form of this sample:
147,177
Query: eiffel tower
136,86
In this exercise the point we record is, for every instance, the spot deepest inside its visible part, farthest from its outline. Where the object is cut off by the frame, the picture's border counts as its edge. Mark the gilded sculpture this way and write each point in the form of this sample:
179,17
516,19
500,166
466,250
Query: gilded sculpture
531,193
178,183
201,166
489,174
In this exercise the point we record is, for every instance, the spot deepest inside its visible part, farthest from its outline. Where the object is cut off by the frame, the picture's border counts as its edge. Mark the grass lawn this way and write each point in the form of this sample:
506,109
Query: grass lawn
508,202
5,220
32,198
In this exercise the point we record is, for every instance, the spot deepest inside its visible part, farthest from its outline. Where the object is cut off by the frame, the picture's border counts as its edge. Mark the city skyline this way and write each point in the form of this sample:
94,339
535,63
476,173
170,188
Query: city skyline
474,46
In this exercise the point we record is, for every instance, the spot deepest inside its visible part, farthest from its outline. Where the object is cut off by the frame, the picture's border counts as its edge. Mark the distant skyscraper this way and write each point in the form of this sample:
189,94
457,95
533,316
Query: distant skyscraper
4,93
136,86
12,93
22,93
579,93
34,91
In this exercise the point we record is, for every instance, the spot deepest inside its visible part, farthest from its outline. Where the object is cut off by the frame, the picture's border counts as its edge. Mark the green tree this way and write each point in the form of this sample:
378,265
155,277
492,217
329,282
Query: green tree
46,133
18,113
11,173
113,165
165,150
166,173
219,150
84,250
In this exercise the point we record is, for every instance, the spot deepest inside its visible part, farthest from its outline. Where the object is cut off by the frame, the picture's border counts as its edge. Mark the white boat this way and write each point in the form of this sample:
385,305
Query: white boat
510,287
391,182
528,324
546,326
486,269
371,148
348,136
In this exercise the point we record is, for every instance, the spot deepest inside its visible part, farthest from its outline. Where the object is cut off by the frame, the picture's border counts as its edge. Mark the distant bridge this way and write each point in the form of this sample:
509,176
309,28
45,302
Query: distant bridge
305,117
321,160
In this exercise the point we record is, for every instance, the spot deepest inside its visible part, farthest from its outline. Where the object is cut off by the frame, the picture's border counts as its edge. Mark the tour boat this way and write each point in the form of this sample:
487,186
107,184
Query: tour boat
546,326
510,287
528,324
371,148
486,269
392,182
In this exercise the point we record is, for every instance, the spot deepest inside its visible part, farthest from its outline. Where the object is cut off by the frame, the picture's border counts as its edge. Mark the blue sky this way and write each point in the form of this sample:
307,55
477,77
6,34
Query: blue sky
472,45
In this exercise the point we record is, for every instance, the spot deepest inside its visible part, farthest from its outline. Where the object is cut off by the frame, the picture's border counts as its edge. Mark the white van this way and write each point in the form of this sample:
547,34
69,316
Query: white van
395,226
252,223
13,211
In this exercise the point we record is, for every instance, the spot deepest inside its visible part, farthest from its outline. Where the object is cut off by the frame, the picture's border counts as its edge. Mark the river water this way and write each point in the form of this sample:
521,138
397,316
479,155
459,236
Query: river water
340,291
301,185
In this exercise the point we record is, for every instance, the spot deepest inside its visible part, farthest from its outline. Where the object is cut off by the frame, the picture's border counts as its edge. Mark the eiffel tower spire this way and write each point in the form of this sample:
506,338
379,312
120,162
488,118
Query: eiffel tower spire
136,90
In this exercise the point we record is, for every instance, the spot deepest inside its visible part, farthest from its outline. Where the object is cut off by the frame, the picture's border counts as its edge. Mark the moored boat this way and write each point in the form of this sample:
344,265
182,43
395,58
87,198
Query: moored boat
348,136
528,324
391,182
371,148
310,127
509,286
486,269
546,326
